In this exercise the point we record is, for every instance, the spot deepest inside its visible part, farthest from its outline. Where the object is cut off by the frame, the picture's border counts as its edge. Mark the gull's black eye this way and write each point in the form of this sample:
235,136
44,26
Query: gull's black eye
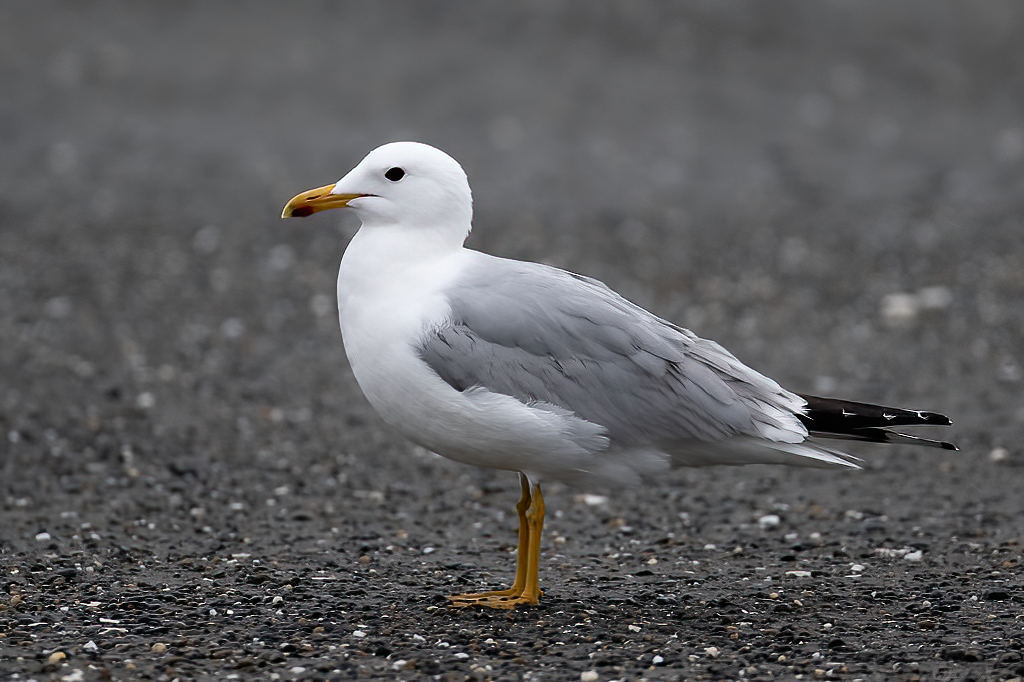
394,174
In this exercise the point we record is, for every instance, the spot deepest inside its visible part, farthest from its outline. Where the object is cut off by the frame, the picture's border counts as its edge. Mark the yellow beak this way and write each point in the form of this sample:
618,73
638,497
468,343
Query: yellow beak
316,200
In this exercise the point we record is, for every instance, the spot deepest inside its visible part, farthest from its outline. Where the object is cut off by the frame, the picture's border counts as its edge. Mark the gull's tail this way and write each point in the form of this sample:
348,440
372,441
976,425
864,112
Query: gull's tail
847,420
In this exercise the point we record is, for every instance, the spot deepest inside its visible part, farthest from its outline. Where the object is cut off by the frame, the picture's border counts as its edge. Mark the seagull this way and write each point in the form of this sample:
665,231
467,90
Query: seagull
524,367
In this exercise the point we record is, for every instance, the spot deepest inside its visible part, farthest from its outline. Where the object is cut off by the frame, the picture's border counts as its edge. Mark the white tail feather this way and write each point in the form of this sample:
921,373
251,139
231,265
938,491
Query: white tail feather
748,450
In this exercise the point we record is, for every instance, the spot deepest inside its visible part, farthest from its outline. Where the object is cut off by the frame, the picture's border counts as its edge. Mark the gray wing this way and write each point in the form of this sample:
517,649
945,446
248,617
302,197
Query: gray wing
542,334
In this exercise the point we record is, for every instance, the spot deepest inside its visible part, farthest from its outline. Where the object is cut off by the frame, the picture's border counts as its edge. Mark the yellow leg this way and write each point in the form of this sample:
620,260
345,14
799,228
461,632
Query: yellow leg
535,522
526,588
521,554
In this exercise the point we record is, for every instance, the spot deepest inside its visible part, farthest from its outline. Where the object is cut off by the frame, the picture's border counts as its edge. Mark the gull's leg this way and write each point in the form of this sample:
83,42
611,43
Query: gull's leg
525,589
535,519
521,554
522,505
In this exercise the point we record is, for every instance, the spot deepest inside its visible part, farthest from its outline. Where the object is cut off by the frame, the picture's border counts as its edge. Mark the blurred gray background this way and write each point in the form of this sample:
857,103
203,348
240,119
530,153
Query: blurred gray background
770,174
833,190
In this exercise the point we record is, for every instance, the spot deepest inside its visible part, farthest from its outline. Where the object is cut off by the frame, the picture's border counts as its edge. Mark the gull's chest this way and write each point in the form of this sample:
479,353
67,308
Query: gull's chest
385,306
388,313
378,325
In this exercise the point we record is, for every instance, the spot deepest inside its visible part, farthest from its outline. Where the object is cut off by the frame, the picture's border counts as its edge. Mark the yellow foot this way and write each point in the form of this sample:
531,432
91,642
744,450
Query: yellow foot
499,599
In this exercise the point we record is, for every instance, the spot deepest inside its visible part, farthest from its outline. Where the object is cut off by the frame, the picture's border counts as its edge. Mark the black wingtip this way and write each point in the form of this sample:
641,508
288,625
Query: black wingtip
934,418
846,419
848,414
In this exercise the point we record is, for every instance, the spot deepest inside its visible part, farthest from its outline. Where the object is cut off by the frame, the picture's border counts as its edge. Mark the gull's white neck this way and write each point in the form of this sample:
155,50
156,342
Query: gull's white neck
389,258
398,246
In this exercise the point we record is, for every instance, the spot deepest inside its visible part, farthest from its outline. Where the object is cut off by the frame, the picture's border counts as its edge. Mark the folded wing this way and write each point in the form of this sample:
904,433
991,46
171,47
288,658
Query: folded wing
544,335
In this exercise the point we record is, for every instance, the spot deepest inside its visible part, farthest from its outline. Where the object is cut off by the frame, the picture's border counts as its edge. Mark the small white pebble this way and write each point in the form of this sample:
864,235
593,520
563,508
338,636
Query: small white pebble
914,557
769,521
890,553
594,500
277,600
296,670
589,676
399,664
998,455
799,574
428,550
90,646
358,634
711,651
461,655
658,660
899,308
42,536
856,568
709,547
634,628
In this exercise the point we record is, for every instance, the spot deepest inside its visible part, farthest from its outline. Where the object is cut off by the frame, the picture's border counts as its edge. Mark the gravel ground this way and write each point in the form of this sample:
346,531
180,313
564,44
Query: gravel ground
192,487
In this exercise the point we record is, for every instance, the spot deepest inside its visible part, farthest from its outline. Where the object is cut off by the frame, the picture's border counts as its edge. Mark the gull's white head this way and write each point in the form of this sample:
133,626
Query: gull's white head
399,184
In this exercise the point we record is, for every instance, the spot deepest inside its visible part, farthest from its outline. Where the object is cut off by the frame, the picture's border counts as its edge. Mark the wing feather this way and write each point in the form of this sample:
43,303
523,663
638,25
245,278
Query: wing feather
543,335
